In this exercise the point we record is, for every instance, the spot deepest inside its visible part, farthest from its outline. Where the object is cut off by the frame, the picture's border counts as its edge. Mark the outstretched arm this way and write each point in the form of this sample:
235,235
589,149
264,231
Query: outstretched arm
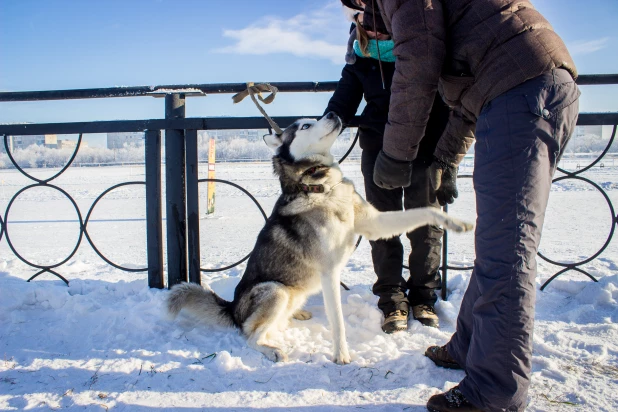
417,28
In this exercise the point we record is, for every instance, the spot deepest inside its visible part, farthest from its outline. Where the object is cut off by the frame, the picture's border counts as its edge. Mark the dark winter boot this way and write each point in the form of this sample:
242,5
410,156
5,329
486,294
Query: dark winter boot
426,315
451,401
395,321
439,355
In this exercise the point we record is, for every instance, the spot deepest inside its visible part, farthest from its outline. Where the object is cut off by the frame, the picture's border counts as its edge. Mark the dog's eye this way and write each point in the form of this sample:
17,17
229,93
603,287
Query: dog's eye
305,127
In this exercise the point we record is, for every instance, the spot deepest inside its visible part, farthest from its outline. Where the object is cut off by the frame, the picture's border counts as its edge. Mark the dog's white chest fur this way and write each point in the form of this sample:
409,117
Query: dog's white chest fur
337,235
332,217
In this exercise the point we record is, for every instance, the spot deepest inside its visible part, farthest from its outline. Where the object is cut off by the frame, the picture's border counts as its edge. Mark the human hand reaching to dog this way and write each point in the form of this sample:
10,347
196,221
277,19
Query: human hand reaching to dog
443,177
389,173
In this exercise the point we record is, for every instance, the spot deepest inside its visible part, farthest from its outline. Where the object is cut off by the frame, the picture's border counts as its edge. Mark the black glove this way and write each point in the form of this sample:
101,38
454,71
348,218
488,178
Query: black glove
389,173
443,177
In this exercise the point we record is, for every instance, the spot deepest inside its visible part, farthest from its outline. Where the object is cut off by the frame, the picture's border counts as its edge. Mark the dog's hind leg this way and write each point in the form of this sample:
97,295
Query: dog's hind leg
334,313
297,301
270,301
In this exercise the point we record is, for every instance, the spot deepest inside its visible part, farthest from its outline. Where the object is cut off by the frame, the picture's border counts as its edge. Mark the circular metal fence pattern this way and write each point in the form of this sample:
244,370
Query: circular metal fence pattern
1,228
4,222
611,232
245,191
42,181
98,252
45,183
575,175
83,231
8,238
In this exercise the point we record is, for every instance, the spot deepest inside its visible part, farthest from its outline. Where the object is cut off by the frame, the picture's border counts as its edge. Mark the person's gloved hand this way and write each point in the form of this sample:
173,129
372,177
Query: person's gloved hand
443,177
389,173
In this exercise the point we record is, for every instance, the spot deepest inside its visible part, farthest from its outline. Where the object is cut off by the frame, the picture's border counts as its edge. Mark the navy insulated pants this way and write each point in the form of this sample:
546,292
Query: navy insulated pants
520,137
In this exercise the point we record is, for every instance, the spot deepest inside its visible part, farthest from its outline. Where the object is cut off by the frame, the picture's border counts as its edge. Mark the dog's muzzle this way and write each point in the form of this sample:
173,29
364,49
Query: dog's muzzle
332,116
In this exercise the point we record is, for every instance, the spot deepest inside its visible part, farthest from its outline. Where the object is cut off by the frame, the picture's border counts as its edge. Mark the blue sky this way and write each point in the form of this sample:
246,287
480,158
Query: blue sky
66,44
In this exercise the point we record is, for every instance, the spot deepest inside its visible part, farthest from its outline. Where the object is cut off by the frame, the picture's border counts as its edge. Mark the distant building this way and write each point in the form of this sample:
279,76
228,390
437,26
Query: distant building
607,131
21,142
603,132
582,131
51,141
120,140
249,134
70,144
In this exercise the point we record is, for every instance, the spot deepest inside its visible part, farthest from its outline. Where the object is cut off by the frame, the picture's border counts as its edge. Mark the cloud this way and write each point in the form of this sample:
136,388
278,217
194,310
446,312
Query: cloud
319,34
587,47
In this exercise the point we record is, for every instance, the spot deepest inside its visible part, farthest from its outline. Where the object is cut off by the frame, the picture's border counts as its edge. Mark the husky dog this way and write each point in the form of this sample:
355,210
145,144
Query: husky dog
305,243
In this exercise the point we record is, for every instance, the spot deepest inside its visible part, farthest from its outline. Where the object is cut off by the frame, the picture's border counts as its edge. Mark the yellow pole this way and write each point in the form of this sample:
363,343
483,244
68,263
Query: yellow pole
210,206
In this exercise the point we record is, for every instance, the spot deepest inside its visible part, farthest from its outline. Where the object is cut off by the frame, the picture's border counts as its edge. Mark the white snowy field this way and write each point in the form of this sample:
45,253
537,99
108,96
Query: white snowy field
104,342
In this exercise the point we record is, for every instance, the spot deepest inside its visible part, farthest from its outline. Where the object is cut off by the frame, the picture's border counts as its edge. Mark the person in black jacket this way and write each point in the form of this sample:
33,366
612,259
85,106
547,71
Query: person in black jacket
366,76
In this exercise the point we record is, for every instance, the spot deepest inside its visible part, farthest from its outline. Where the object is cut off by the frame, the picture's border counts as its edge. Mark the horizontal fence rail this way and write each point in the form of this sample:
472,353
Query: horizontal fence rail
208,123
221,88
181,165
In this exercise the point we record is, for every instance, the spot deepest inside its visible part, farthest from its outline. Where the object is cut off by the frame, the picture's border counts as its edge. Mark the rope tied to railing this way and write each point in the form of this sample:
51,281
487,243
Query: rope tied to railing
257,89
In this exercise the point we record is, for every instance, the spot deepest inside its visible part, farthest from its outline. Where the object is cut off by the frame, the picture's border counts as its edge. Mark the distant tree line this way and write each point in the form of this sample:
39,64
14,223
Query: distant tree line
234,149
226,150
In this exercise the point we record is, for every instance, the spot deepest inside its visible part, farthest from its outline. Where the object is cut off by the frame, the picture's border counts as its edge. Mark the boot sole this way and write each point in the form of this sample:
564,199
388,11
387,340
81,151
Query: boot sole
429,322
447,365
388,332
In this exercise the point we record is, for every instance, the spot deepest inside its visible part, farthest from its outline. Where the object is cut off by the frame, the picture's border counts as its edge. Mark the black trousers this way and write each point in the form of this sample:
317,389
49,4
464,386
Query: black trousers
520,137
393,290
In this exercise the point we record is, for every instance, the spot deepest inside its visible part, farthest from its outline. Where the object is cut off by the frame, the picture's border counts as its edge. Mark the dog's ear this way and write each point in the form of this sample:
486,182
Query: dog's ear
273,141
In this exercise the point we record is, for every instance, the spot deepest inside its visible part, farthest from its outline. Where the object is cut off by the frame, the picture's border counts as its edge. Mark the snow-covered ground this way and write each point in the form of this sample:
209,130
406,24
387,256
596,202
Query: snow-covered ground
104,342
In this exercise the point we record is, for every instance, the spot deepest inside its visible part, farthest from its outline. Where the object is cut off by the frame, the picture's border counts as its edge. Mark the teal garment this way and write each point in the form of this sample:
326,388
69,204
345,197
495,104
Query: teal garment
386,50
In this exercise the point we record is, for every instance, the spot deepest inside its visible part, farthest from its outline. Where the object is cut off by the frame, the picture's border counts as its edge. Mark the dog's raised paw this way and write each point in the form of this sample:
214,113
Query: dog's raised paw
458,226
302,315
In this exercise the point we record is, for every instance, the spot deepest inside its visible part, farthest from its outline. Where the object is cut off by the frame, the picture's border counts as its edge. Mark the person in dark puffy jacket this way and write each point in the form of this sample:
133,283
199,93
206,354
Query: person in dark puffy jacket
363,76
511,83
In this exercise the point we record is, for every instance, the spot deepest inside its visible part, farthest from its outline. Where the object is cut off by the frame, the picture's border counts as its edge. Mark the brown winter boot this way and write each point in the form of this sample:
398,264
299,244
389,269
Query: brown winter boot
451,401
426,315
395,322
439,355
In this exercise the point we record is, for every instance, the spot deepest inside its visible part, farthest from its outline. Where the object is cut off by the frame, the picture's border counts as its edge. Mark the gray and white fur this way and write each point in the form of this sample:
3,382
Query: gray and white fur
305,243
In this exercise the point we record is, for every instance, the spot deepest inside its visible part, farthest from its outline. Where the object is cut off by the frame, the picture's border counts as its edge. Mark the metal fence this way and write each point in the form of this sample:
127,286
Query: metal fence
181,171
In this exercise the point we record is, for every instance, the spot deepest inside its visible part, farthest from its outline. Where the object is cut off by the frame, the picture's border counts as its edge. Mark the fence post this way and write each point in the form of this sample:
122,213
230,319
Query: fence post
445,260
154,226
175,193
193,208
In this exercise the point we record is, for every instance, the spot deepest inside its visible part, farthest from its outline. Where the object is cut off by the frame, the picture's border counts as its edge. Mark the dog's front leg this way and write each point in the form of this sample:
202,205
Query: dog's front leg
373,224
334,313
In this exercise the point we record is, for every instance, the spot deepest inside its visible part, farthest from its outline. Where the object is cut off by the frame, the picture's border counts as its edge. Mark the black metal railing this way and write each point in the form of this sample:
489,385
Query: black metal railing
181,170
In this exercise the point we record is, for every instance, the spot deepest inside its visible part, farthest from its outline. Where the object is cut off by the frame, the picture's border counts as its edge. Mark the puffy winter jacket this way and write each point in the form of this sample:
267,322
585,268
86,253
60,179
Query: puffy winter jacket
473,50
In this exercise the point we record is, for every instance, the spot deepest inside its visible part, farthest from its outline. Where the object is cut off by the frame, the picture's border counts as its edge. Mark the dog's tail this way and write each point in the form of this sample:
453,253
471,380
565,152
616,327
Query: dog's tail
200,302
